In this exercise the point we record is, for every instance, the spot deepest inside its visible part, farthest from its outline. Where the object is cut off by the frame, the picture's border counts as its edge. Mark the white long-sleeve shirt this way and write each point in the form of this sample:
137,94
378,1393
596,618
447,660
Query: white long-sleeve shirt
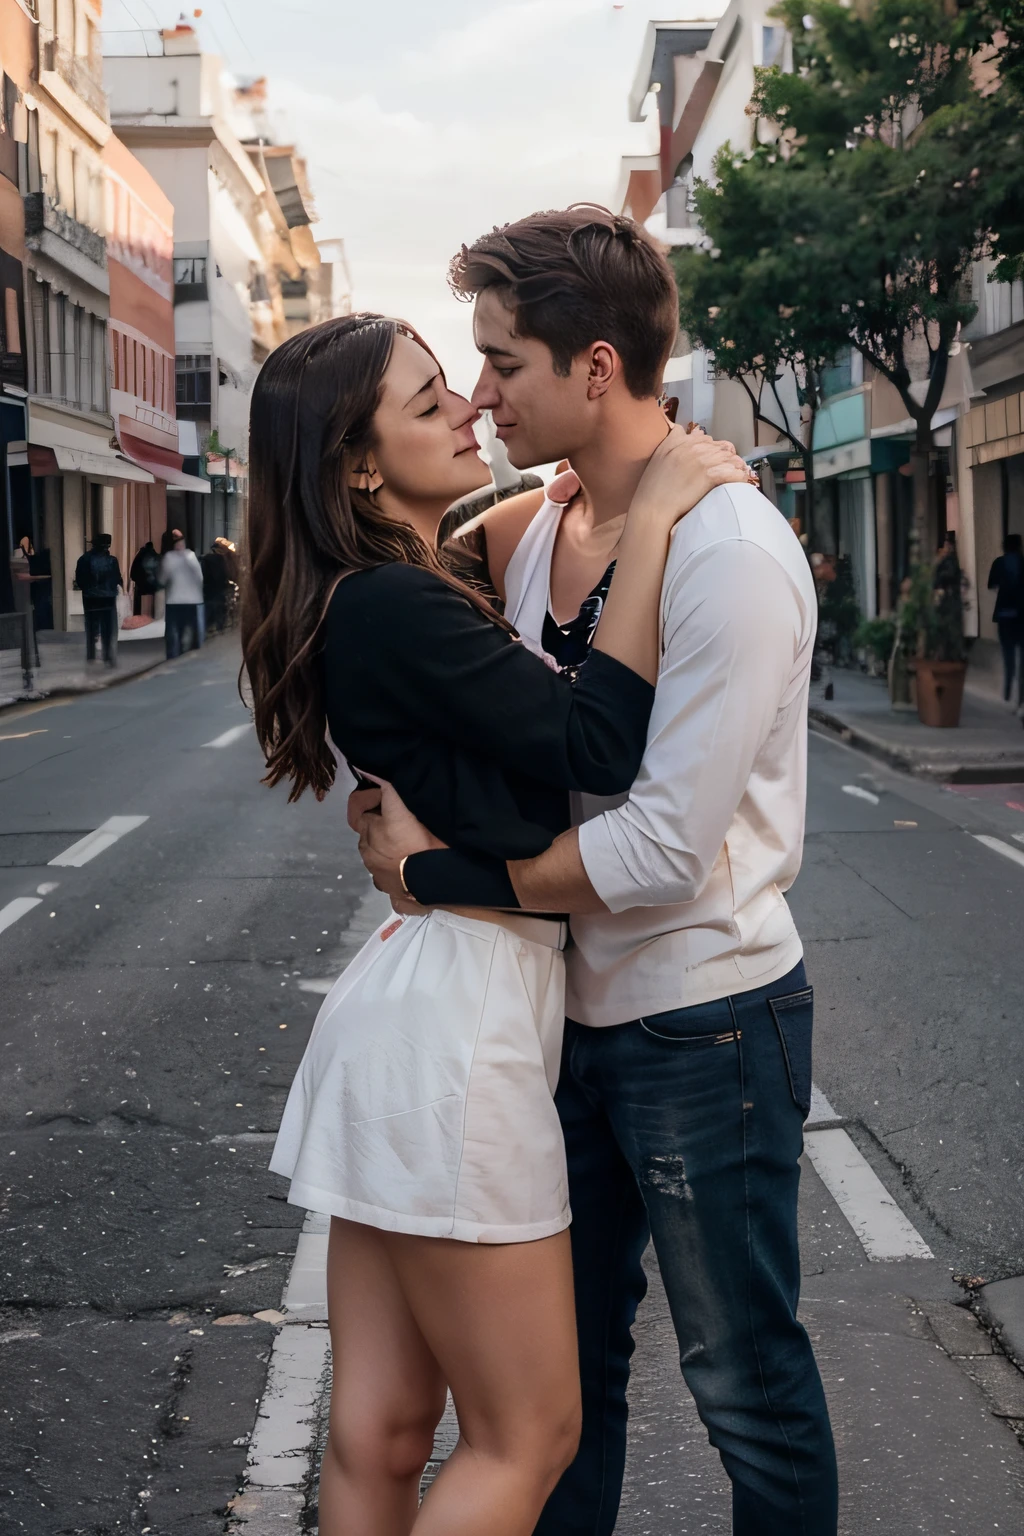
694,864
182,575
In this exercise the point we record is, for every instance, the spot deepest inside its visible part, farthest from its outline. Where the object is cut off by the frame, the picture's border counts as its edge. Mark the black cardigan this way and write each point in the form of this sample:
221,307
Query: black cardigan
481,739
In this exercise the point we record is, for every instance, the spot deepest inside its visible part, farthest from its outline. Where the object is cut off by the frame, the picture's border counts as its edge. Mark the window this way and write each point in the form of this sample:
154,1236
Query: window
192,379
189,279
773,42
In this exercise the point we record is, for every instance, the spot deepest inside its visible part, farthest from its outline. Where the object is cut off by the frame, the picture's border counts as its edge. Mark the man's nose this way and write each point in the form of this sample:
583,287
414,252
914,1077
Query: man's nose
486,394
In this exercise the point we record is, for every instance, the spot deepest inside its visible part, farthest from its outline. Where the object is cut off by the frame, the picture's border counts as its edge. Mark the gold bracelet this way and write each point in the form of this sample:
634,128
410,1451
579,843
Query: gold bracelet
401,875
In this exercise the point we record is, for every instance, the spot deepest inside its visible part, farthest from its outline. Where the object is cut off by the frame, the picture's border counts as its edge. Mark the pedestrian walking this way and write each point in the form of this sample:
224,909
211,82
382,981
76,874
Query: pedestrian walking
1006,579
98,578
215,587
182,577
144,575
421,1119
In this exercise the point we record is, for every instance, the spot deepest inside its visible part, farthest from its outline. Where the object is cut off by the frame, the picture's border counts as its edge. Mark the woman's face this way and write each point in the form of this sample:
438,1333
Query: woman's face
425,450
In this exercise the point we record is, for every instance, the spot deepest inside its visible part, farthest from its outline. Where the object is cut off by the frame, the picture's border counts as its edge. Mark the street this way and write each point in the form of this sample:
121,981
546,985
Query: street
159,987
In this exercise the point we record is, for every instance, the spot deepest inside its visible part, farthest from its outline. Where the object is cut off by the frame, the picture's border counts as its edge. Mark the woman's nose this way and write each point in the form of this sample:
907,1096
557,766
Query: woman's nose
460,411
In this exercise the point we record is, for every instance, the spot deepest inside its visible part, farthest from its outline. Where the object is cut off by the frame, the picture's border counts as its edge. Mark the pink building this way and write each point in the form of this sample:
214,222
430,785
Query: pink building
140,251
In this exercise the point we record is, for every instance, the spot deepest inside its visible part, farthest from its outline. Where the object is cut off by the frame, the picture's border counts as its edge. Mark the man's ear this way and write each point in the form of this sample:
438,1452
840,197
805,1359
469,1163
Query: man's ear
605,364
367,477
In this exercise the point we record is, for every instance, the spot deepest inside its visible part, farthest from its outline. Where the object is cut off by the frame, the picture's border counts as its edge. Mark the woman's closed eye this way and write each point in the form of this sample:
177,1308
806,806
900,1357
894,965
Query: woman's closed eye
430,411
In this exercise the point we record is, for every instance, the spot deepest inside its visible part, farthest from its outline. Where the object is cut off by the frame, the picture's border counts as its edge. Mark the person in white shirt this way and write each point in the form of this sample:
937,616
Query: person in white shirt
182,577
686,1069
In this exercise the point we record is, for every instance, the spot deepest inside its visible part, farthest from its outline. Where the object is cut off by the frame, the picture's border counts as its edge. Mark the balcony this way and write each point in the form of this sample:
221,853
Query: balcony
71,82
66,240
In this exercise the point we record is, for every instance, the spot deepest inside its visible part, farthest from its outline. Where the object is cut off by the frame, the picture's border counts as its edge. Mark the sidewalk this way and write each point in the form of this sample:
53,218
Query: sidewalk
64,670
986,748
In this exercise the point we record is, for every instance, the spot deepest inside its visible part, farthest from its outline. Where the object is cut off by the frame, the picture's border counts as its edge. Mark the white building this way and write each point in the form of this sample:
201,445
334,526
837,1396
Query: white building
173,112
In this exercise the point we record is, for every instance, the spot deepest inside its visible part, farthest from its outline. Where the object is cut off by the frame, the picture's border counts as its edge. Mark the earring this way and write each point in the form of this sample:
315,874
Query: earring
367,480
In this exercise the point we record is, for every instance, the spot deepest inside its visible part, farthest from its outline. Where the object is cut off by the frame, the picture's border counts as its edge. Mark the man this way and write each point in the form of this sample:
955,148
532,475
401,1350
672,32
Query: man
144,575
686,1070
98,577
215,588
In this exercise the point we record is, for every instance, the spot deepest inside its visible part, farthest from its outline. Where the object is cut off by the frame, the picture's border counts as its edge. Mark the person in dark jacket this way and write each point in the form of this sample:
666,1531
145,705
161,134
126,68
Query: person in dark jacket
97,577
215,588
145,575
1006,579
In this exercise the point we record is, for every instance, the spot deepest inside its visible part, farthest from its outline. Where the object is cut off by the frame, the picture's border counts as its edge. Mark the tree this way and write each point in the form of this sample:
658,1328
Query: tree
912,161
742,295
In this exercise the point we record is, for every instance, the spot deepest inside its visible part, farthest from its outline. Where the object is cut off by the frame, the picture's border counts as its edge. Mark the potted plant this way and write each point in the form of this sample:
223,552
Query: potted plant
876,637
934,611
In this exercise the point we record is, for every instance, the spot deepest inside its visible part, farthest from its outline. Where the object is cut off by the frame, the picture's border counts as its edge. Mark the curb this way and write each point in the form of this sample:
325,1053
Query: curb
118,680
983,769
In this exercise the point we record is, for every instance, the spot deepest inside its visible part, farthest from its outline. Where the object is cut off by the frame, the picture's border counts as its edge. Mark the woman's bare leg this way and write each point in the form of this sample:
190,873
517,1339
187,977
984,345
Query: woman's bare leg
500,1321
387,1395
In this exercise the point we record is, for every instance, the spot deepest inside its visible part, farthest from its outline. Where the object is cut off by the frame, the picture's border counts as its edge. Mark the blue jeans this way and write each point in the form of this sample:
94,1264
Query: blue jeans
686,1127
181,620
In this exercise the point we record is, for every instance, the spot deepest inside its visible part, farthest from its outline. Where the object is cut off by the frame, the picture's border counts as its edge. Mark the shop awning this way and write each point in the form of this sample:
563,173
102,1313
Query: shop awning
162,463
64,442
108,468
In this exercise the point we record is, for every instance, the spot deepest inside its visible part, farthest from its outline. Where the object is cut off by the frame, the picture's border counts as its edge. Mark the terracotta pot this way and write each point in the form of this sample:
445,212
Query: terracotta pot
940,691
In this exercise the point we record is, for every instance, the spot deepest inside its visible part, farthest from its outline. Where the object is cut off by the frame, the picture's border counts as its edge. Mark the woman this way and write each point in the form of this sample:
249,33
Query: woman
182,576
421,1118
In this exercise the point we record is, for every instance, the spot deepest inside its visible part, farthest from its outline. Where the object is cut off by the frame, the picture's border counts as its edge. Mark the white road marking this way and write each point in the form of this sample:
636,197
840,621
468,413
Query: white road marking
46,887
235,734
321,985
998,846
281,1446
860,794
305,1294
281,1443
17,908
1018,837
883,1230
821,1112
104,837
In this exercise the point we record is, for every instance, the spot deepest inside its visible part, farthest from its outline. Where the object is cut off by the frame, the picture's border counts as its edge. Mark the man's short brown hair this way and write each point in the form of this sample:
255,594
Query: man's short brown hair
579,275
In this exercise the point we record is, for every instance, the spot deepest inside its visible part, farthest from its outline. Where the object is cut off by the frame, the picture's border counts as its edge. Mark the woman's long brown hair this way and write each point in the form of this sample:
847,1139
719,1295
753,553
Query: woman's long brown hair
310,425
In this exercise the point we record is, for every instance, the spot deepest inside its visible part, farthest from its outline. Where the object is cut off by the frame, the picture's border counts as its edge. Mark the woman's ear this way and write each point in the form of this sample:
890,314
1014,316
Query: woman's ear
367,477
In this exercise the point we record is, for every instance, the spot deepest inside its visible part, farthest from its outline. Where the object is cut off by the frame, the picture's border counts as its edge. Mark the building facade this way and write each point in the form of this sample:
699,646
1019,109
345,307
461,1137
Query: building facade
73,454
18,50
247,272
140,263
694,81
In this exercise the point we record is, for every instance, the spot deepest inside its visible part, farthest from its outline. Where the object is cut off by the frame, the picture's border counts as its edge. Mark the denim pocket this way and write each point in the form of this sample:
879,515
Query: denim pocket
794,1020
711,1024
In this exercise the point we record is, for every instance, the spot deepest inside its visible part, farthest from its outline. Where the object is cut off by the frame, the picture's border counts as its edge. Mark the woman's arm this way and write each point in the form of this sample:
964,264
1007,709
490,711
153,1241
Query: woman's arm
681,471
443,666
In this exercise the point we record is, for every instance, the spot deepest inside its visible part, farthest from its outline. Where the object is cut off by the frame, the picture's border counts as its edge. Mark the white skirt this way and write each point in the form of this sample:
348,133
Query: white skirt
423,1102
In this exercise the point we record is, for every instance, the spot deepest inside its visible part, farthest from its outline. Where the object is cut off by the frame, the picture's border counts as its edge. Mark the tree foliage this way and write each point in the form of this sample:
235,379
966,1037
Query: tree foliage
883,166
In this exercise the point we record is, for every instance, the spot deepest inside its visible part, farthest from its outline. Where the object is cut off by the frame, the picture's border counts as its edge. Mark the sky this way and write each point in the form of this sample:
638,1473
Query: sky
426,122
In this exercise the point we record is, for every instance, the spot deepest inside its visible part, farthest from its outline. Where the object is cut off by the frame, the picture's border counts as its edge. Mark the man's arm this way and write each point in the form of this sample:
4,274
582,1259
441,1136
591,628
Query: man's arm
732,629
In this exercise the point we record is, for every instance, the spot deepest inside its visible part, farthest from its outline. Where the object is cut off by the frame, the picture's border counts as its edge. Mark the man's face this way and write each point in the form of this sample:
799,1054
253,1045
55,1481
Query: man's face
539,416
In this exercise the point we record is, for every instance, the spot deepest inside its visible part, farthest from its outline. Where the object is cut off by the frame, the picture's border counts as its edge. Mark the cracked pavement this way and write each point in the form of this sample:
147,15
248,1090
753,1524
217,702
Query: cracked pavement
150,1031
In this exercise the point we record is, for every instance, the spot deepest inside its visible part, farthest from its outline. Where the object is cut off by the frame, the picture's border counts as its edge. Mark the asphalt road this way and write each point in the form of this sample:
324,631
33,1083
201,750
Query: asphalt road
153,1013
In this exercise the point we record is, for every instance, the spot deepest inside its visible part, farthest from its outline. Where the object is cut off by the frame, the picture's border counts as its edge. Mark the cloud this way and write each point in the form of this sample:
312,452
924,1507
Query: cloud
494,39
